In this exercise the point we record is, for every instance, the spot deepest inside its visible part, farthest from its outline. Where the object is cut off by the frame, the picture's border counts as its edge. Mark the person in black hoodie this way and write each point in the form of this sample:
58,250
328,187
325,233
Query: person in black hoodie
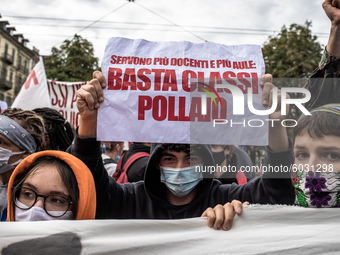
136,171
149,199
233,160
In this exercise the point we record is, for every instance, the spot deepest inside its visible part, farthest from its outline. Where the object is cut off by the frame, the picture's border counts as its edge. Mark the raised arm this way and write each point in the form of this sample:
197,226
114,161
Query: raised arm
112,199
324,83
89,97
274,187
332,9
278,139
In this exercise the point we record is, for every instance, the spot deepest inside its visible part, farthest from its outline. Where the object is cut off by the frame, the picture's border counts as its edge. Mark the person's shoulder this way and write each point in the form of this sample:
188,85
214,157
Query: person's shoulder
139,163
242,156
104,156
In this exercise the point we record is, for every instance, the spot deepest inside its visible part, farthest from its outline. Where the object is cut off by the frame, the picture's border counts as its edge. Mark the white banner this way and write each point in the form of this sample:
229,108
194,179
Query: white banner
33,93
63,99
259,230
167,92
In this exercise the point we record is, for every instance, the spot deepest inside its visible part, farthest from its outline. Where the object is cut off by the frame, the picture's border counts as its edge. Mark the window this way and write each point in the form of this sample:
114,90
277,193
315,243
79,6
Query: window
19,61
9,100
3,74
19,81
6,48
19,84
10,75
13,54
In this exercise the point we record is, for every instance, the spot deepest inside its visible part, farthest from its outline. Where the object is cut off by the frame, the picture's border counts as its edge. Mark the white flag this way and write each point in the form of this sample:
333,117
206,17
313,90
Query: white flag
34,92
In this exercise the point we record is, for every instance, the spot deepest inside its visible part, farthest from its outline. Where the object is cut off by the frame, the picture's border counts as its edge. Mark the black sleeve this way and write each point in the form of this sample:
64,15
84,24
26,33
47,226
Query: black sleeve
324,82
273,187
113,199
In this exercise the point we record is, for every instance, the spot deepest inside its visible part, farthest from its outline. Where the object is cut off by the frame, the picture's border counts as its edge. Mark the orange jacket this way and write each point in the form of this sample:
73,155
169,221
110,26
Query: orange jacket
86,186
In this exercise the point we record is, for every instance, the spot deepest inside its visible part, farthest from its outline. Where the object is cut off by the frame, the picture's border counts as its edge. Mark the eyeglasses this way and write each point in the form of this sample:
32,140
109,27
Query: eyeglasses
54,205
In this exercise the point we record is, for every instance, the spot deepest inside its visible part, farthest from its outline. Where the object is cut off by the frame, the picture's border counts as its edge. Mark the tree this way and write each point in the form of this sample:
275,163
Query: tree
292,56
74,61
293,53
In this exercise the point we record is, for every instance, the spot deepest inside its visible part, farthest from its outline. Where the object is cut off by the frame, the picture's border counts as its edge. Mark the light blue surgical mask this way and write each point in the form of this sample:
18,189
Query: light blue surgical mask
181,181
117,158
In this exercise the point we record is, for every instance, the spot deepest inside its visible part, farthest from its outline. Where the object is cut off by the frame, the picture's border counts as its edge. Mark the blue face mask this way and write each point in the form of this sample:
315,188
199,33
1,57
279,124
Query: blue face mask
117,158
181,181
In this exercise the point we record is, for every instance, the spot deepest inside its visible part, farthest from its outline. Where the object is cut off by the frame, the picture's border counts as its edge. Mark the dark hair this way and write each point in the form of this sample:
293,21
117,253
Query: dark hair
65,173
318,125
31,122
113,145
231,152
186,148
59,131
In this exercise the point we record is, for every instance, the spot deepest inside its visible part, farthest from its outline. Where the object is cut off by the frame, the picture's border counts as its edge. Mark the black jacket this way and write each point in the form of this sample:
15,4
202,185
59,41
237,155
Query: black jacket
230,177
243,160
136,171
147,200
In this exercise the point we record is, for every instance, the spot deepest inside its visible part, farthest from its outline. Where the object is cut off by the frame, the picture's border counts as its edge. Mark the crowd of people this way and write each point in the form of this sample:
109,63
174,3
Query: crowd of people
50,172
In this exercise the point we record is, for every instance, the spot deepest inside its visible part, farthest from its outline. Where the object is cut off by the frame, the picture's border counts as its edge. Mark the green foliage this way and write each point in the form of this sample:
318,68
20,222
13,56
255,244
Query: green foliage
291,57
74,61
293,53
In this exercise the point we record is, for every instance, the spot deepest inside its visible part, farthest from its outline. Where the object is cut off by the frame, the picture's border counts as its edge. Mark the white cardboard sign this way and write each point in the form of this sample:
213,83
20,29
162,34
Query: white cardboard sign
168,92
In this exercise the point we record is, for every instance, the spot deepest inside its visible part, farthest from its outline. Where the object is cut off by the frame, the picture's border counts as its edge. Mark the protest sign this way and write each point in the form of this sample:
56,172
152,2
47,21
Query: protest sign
167,92
63,99
33,93
259,230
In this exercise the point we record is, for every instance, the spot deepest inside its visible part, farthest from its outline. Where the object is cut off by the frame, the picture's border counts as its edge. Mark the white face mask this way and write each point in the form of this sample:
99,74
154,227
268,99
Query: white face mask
4,157
38,214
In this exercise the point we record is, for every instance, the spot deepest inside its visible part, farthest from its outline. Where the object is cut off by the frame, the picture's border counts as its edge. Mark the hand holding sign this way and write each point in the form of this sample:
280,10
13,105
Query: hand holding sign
222,216
89,97
268,100
278,140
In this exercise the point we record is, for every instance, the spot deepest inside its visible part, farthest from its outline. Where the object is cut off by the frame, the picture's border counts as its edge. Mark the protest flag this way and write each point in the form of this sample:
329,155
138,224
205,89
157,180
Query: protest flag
34,92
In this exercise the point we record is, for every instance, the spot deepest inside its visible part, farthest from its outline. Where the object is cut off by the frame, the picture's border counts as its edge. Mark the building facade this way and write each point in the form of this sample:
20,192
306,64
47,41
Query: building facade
16,62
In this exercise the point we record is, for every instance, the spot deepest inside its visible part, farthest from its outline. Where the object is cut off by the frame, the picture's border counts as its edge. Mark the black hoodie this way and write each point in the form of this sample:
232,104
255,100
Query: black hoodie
147,199
136,171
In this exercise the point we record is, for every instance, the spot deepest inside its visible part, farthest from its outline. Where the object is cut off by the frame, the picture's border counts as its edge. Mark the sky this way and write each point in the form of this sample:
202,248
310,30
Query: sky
229,22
